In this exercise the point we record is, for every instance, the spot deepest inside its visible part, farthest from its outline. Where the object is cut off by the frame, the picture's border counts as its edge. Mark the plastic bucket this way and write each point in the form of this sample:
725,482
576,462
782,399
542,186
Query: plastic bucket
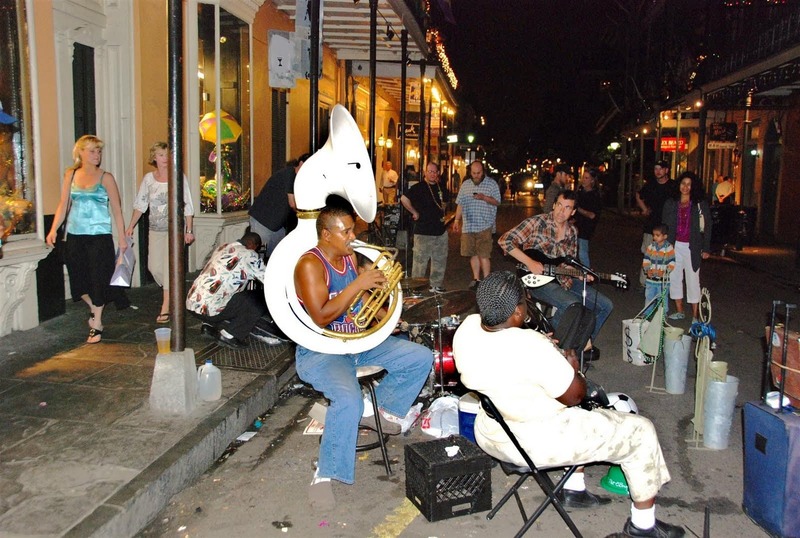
676,361
614,481
718,407
468,406
631,336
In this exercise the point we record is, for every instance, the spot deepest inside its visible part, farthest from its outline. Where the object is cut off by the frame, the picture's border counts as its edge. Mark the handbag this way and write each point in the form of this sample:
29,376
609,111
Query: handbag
124,269
62,230
702,219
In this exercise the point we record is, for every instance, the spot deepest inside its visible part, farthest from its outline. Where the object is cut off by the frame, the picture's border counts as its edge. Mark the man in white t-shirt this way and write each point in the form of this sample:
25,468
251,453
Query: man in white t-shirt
537,387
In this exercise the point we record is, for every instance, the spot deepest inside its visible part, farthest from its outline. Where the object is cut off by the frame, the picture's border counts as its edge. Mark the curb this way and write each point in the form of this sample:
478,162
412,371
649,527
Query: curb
136,503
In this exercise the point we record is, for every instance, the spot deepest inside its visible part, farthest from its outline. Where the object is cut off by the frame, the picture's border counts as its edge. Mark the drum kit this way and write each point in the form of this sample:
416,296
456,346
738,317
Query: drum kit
432,321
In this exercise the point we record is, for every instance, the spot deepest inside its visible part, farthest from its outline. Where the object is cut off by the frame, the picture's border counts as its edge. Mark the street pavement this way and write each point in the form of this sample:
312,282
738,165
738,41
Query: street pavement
83,455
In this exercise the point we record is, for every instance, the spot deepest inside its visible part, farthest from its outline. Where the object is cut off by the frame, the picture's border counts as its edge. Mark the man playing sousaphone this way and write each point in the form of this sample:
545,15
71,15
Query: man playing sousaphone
327,283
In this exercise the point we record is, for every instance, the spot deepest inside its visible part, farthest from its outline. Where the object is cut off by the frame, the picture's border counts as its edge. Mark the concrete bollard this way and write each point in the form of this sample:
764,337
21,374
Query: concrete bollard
174,386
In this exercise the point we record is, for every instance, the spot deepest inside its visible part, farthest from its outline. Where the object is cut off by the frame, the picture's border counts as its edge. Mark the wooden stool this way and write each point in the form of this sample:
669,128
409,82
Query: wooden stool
367,375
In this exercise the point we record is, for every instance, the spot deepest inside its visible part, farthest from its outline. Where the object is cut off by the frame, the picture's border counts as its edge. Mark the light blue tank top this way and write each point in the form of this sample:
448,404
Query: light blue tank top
89,214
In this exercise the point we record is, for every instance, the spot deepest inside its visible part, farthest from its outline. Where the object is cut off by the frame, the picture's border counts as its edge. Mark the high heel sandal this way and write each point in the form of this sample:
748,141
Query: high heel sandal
94,333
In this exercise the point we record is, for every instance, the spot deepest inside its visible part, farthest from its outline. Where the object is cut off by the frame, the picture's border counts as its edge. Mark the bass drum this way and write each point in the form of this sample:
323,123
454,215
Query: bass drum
444,371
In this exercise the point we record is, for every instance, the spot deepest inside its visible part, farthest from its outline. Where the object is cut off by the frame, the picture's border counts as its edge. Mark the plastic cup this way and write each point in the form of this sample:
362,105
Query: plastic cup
163,336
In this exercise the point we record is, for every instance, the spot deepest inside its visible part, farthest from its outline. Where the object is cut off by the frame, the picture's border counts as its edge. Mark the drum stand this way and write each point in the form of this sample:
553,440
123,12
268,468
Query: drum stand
438,347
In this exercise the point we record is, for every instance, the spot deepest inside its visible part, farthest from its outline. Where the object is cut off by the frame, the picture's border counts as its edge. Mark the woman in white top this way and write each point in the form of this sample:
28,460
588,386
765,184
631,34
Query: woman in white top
153,194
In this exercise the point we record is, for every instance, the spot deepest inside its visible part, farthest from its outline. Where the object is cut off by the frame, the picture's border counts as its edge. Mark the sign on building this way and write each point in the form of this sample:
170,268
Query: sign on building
670,143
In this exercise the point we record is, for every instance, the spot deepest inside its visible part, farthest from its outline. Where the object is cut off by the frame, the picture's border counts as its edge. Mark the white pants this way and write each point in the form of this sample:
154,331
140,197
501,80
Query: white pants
576,436
683,270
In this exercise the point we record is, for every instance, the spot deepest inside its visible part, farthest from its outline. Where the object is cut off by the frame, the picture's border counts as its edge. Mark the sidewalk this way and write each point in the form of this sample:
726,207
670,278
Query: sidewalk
81,452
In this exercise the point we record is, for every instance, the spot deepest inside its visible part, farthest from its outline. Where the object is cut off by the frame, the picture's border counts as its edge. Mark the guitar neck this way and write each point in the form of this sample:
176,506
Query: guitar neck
555,270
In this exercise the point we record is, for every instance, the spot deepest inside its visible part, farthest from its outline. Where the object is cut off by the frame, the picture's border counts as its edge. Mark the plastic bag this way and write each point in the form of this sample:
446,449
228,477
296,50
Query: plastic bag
124,269
441,418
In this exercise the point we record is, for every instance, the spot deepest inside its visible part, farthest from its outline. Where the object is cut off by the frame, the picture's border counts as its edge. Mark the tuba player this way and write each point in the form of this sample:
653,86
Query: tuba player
327,281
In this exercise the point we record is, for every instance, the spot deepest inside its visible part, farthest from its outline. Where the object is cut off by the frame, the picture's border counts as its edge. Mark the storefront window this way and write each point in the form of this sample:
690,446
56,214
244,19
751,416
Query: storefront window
17,193
224,110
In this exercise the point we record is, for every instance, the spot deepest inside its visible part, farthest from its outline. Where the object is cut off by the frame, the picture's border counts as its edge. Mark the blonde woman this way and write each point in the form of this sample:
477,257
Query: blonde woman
89,201
153,194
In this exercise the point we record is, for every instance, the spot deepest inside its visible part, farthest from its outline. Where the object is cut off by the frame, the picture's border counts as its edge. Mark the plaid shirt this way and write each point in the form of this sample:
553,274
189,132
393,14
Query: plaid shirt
478,215
539,233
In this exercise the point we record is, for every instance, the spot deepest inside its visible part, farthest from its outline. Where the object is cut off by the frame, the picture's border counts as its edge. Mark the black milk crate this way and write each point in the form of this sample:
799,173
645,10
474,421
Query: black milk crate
443,487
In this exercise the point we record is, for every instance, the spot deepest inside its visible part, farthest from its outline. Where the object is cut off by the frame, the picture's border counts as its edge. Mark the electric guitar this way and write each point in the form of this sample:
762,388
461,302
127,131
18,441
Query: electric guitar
554,267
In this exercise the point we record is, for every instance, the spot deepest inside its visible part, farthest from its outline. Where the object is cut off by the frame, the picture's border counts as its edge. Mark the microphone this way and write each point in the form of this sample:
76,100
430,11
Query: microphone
572,261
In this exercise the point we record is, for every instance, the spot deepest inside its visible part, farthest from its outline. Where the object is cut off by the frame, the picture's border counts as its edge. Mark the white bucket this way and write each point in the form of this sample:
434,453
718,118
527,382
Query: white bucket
631,336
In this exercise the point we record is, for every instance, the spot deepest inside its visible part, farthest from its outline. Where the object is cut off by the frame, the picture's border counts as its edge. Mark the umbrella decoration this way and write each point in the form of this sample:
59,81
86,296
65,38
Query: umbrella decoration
229,129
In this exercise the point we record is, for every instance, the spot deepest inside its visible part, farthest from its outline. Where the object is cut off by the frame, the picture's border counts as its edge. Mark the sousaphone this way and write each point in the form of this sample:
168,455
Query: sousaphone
340,167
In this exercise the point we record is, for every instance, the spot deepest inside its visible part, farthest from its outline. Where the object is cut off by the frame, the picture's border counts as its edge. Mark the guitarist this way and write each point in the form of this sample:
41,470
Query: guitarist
551,235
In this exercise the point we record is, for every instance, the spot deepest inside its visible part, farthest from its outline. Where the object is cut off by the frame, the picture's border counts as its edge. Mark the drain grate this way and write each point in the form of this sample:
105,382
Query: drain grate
257,357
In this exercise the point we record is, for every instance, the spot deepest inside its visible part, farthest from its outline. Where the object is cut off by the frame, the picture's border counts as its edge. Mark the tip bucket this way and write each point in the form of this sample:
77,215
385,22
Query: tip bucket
614,481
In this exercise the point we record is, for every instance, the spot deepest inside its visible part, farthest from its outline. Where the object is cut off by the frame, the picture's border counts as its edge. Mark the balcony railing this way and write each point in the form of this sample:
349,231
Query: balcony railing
755,44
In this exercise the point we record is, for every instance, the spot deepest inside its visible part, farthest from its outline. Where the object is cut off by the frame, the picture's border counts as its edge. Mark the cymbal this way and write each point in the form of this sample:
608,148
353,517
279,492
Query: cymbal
451,303
413,284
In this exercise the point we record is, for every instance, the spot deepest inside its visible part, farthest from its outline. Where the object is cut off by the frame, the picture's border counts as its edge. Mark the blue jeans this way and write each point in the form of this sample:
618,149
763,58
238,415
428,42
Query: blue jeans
583,252
407,367
552,293
653,290
269,238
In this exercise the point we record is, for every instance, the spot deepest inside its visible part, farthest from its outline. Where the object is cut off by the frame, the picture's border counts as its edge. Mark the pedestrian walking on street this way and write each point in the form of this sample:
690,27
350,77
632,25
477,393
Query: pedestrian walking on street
152,195
688,219
89,202
426,201
477,203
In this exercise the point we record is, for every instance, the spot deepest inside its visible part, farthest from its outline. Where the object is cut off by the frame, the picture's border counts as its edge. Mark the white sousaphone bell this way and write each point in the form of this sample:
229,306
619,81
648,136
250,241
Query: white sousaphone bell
340,167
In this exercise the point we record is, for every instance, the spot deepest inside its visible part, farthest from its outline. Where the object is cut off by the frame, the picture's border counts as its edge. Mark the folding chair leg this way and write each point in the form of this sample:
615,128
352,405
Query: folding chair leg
507,496
551,491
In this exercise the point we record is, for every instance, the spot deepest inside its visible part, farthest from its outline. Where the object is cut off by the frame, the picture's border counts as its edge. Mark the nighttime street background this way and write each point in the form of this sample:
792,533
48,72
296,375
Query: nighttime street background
547,73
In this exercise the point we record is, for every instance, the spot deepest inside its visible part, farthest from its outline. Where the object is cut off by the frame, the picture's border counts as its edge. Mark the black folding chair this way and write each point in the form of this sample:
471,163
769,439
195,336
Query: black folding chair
530,470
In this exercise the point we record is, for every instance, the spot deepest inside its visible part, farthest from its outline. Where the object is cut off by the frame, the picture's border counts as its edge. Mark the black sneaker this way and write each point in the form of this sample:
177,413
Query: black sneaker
206,329
474,285
659,530
591,354
232,342
581,499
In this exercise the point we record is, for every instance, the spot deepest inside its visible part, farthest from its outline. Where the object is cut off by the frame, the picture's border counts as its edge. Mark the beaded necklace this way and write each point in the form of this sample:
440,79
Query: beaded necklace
436,199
